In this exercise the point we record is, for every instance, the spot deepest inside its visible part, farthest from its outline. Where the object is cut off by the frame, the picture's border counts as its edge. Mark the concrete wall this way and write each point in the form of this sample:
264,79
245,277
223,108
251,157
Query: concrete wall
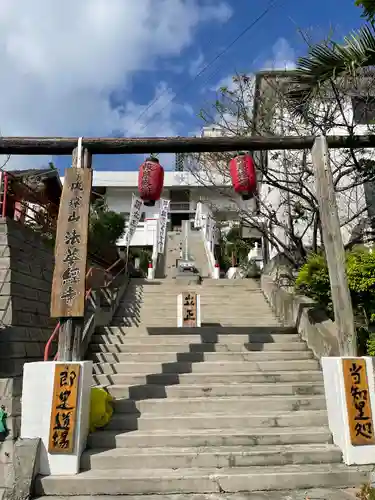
310,320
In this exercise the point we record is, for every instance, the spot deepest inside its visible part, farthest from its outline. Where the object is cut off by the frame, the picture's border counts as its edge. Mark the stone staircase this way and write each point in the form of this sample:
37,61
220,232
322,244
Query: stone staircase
196,250
235,406
173,244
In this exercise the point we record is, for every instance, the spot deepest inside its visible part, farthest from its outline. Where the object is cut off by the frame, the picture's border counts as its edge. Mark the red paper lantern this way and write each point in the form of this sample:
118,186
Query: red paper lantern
243,174
150,181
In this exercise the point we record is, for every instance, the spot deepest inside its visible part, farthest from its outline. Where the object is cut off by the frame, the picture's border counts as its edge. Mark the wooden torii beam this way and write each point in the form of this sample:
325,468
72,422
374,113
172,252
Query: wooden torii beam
105,145
89,146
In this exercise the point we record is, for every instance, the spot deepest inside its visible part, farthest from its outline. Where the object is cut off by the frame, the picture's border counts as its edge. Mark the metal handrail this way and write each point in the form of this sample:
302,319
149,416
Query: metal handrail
87,295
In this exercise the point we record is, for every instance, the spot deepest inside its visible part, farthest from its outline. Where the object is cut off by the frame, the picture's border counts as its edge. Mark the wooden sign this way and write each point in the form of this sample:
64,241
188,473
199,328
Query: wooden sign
64,408
68,286
189,310
358,402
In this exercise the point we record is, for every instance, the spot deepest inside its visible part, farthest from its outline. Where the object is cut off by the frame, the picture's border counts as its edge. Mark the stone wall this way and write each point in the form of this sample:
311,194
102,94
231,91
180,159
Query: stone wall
26,266
307,316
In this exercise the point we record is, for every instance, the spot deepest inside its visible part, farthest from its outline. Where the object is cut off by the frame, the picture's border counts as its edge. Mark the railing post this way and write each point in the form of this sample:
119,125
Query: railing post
69,278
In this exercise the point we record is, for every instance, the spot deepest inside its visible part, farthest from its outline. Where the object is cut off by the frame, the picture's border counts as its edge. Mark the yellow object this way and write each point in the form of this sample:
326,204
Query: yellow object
101,409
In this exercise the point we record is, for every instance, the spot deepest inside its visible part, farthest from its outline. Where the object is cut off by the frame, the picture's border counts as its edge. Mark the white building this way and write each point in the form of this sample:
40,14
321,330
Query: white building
181,188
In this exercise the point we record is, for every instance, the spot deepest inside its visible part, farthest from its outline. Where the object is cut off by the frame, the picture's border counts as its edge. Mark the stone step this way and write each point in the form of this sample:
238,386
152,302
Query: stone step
236,479
215,390
132,422
208,286
246,298
118,335
237,301
226,456
265,436
207,379
316,494
196,357
171,321
209,310
158,284
206,367
223,405
233,347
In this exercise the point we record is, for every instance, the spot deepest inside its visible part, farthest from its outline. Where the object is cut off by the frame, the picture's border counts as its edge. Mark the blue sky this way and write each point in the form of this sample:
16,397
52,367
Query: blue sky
95,67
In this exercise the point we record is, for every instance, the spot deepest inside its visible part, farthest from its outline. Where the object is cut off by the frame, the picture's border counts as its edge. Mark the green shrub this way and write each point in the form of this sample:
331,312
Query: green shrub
313,281
360,268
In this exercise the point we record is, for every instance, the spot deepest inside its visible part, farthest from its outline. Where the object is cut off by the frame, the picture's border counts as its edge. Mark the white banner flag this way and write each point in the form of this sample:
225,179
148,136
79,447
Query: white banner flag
162,224
135,217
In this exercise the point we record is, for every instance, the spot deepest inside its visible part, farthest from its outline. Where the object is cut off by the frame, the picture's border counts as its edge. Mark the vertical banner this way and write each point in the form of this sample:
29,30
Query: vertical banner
198,216
210,229
162,224
135,217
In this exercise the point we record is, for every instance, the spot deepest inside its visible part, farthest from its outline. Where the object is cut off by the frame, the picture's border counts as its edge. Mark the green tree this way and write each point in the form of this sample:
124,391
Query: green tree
105,226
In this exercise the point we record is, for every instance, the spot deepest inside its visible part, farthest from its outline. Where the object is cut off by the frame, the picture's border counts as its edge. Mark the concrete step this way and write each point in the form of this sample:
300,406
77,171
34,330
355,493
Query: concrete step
226,456
245,295
224,405
156,285
196,357
118,335
265,436
171,321
209,310
233,347
237,479
175,286
215,390
149,421
316,494
206,367
207,379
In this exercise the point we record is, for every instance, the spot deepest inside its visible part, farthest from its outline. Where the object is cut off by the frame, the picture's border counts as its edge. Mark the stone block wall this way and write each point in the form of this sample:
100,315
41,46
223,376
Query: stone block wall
26,267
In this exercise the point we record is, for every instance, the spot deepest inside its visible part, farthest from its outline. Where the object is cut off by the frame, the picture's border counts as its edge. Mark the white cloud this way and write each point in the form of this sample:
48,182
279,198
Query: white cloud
61,61
196,65
283,56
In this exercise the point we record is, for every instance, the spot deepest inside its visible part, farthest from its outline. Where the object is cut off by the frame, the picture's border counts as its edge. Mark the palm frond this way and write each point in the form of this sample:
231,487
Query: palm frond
325,62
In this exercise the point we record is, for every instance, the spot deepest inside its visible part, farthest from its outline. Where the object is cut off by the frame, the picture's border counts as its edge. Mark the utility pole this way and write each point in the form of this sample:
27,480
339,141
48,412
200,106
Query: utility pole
334,249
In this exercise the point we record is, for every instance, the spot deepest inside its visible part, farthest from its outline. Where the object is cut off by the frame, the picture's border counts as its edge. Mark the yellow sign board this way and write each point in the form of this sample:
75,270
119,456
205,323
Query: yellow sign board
358,402
64,408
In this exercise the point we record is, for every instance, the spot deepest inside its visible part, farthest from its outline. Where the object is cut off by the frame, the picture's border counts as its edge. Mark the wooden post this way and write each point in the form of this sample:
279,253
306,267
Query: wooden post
334,248
69,277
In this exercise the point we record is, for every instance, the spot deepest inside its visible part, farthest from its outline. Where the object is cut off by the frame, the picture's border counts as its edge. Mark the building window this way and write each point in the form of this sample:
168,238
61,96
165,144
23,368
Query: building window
363,110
